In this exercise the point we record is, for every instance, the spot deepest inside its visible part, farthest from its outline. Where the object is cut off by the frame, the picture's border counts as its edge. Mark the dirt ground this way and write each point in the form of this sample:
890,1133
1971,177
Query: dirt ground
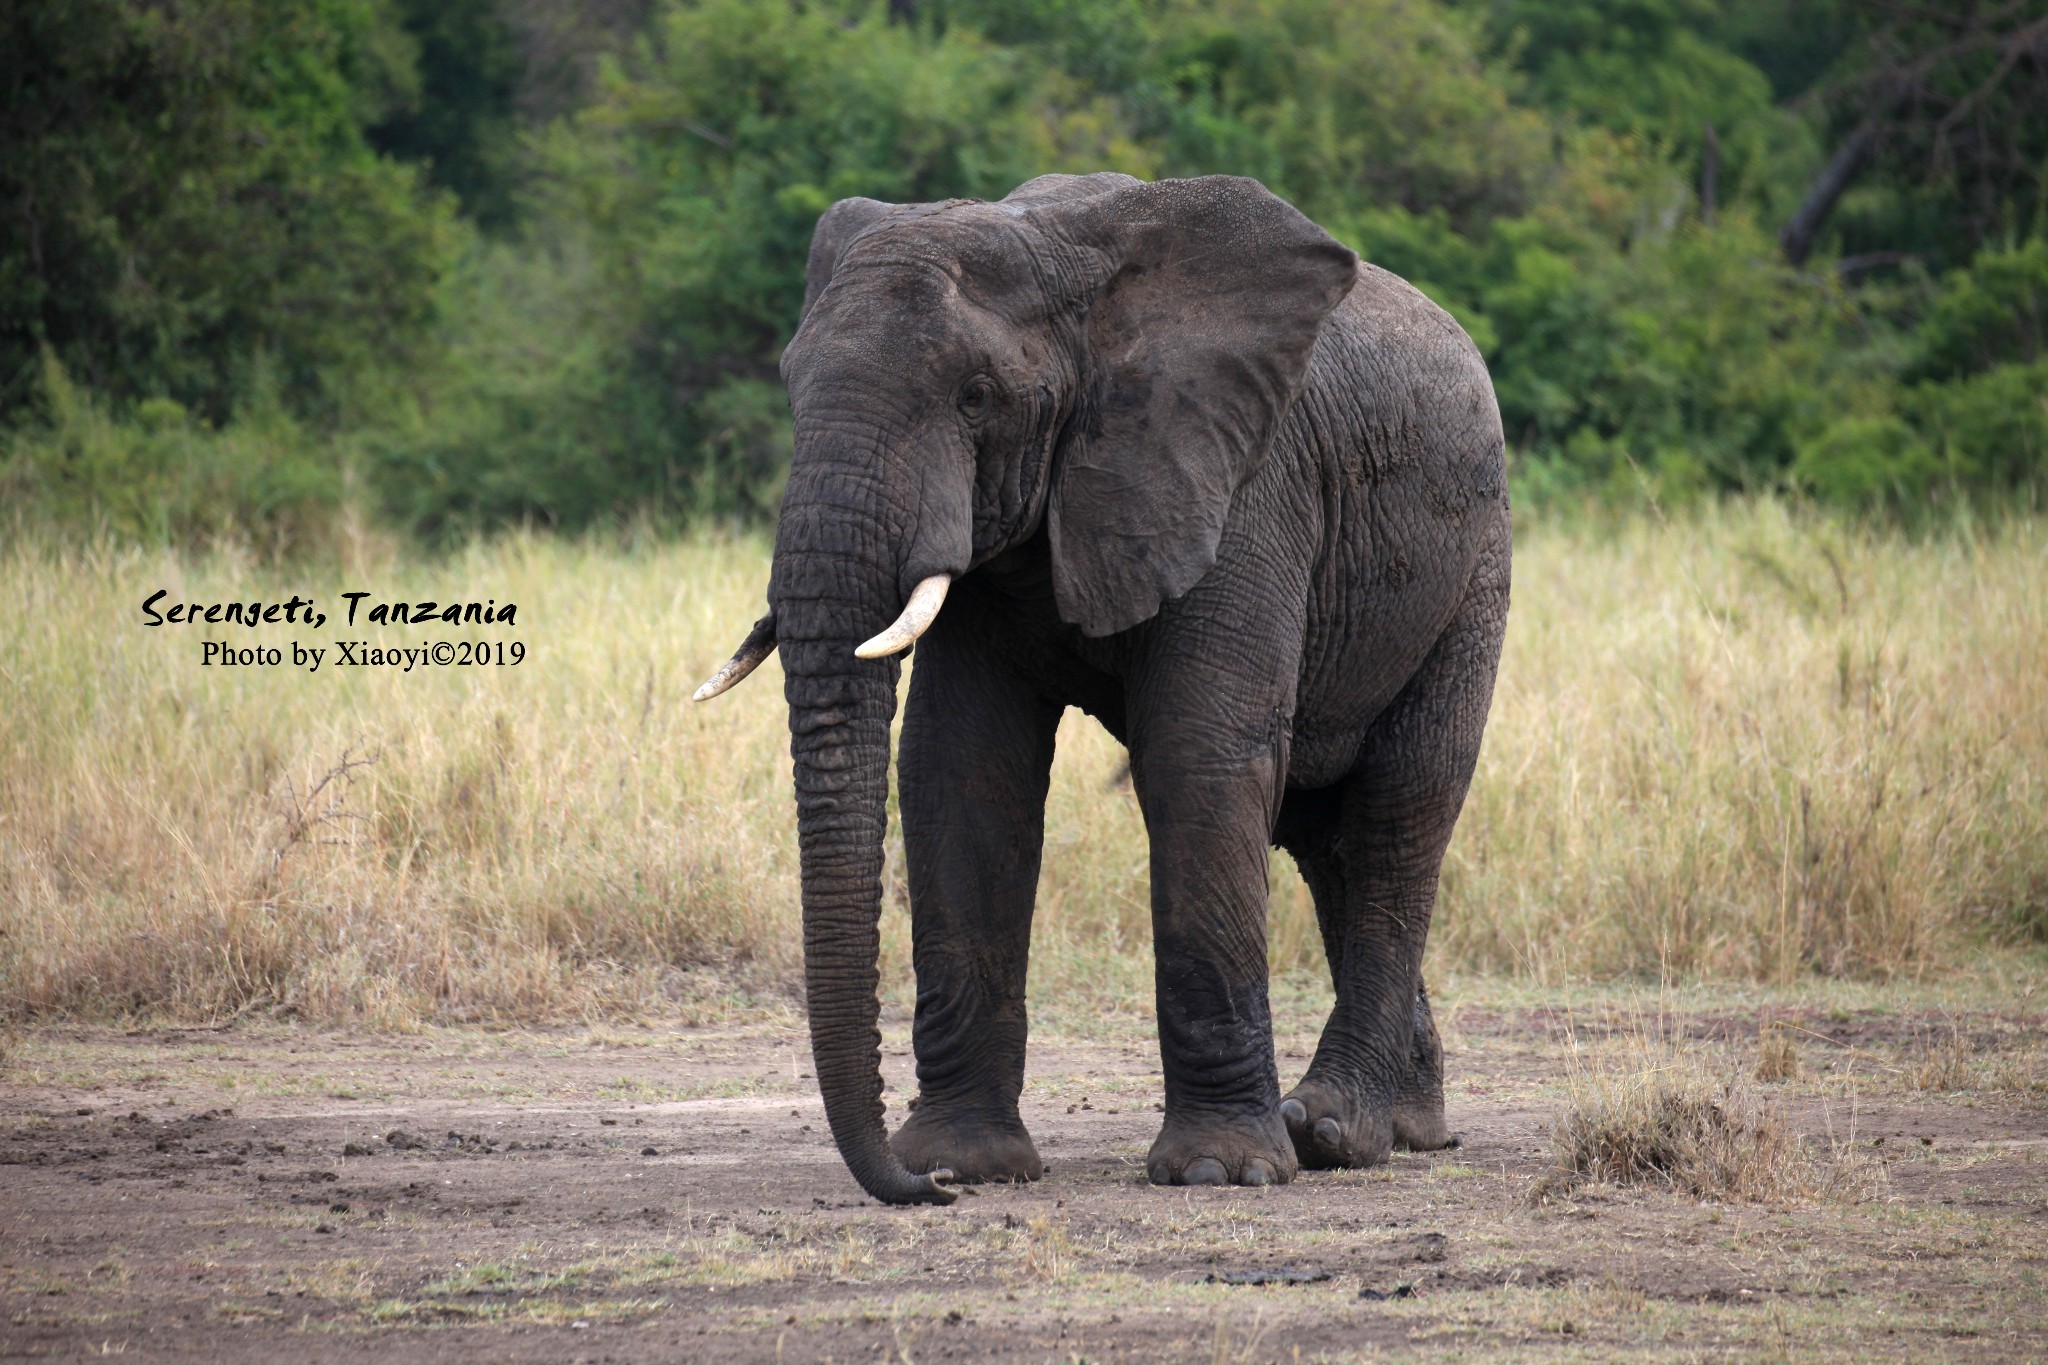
260,1193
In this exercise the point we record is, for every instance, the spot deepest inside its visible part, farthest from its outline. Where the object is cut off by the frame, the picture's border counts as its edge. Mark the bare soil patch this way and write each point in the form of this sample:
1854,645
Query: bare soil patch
626,1194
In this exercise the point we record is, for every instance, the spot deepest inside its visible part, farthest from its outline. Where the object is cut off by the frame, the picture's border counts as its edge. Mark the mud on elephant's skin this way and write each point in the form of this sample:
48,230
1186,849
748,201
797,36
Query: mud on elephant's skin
1168,453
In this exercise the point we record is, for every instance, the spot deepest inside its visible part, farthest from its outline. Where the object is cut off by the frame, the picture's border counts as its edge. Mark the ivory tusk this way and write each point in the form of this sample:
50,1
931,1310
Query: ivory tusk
918,614
758,645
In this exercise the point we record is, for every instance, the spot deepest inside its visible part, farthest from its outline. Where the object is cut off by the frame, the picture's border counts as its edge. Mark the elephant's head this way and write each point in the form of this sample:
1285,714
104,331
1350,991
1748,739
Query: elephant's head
1096,357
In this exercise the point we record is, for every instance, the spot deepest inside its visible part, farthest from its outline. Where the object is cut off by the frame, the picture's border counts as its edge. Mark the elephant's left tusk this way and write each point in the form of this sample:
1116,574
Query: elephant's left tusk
758,645
918,614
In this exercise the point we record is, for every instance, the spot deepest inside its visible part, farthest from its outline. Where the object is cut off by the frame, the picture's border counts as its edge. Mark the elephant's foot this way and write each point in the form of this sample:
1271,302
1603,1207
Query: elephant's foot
1334,1125
1419,1120
976,1149
1218,1149
1419,1105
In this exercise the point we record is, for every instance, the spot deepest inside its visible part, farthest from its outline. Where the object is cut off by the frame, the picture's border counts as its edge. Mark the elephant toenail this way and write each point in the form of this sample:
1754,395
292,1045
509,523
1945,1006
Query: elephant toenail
1257,1172
1293,1113
1328,1133
1205,1170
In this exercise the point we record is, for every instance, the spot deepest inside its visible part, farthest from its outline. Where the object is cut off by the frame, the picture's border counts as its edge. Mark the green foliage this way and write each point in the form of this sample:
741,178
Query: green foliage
1963,164
1100,41
1993,426
460,119
705,166
163,476
1868,461
688,190
1633,65
1697,352
248,211
746,448
536,413
1345,108
638,373
190,202
1993,312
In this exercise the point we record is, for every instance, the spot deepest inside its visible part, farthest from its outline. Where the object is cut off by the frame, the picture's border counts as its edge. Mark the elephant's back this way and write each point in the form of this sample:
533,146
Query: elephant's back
1398,388
1399,424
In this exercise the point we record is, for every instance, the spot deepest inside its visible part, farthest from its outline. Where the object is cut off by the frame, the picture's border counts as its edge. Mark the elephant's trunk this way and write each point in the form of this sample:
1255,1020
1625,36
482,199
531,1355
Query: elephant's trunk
836,584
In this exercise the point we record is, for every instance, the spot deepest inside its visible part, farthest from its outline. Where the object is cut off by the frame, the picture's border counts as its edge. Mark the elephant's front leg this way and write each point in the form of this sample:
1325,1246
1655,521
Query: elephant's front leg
1209,776
976,757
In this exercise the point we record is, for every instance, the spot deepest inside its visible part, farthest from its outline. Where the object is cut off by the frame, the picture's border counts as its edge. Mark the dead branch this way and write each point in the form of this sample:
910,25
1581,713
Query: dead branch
304,816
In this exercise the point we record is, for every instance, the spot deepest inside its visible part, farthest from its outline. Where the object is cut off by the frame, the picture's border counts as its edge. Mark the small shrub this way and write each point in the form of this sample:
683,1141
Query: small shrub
1994,312
746,449
1777,1058
1992,427
159,475
1867,461
1942,1063
1662,1117
1950,1060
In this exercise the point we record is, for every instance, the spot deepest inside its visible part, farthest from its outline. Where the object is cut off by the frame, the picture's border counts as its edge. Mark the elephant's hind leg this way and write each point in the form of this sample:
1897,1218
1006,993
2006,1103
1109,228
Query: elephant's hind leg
1418,1106
1377,1077
976,758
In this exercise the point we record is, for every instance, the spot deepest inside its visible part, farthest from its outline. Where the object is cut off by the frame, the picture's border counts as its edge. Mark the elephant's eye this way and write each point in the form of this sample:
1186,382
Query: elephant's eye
977,397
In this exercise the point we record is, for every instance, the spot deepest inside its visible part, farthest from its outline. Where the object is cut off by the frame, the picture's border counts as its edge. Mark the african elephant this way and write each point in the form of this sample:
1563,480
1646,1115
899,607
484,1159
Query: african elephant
1169,453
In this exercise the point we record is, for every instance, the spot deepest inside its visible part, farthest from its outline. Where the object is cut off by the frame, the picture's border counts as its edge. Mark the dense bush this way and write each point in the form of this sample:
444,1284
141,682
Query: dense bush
159,473
249,211
189,202
1977,417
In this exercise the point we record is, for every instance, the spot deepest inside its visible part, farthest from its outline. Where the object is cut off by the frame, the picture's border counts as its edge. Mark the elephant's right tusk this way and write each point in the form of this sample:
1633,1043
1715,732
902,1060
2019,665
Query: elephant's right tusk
918,614
758,645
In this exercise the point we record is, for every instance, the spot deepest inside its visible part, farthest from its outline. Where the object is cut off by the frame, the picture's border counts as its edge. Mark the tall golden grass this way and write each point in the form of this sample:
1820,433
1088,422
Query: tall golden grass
1759,744
1749,744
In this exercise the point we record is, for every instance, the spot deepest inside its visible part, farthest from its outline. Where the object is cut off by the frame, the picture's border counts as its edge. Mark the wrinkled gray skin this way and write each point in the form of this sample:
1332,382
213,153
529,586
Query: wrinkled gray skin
1199,472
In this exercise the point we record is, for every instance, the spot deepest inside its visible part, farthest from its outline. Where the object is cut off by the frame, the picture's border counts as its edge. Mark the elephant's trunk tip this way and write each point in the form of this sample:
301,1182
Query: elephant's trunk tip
926,1189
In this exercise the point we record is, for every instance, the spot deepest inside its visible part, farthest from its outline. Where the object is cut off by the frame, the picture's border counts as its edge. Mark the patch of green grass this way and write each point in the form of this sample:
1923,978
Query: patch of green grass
540,1312
492,1277
641,1090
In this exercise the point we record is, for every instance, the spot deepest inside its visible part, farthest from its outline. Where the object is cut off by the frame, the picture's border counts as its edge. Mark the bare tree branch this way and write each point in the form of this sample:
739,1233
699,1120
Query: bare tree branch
1803,229
2018,46
1898,84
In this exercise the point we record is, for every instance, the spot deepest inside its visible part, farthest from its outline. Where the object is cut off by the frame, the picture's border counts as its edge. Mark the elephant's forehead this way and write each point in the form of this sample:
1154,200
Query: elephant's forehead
909,277
966,248
909,312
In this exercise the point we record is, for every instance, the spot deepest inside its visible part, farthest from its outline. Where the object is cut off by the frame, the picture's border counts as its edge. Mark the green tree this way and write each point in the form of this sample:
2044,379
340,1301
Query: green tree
1984,354
461,119
669,245
187,199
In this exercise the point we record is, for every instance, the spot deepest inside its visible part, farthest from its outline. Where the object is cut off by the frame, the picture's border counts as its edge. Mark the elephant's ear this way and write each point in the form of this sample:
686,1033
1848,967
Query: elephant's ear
1199,338
837,227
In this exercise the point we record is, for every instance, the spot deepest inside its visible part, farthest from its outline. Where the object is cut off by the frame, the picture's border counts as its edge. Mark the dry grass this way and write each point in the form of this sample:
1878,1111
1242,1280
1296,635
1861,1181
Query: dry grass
1945,1059
554,838
1777,1055
1660,1113
1759,745
1749,745
1942,1062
